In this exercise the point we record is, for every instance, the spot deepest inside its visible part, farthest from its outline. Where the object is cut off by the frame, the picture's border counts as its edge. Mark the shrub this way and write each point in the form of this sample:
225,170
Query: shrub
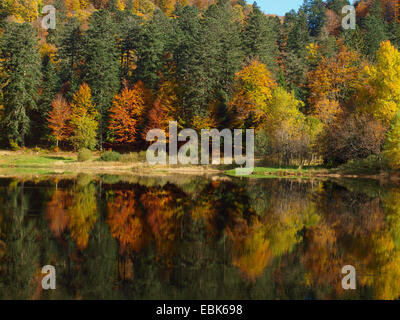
262,144
134,157
14,145
84,155
355,137
370,165
110,156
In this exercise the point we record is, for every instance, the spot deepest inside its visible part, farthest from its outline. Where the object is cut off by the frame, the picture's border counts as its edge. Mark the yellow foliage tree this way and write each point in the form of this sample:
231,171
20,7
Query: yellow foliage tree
254,87
84,117
392,144
23,10
379,92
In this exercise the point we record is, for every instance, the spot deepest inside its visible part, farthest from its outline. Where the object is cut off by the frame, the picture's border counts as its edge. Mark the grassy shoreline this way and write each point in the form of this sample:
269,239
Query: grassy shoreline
31,162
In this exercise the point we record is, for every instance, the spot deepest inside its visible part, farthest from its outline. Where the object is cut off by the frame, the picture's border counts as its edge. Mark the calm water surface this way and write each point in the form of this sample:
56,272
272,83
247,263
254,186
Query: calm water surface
184,237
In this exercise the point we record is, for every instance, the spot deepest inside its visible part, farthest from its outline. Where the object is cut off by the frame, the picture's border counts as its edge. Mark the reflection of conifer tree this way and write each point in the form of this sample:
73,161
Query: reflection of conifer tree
20,263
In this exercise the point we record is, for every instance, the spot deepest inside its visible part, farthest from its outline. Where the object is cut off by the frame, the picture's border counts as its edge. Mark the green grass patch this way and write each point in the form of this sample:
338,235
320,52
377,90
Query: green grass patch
278,172
22,160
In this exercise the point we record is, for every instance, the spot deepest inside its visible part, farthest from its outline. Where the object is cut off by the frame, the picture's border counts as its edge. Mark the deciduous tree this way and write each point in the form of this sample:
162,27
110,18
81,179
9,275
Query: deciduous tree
58,119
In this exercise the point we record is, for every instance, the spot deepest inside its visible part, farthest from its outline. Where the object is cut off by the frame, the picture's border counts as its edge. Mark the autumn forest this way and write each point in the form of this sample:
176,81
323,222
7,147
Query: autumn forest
112,70
77,192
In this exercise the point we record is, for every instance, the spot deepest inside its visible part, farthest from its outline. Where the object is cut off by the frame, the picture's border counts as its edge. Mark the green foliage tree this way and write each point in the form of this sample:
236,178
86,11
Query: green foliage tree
20,62
315,12
375,29
259,38
102,67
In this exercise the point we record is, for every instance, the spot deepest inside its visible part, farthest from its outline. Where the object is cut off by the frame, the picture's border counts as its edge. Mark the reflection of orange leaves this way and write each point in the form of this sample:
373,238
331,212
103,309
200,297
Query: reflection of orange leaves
162,216
125,223
57,212
321,258
250,249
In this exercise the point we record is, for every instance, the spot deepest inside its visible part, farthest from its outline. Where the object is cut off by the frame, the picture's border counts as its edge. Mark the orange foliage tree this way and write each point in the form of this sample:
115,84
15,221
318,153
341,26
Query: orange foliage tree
332,82
164,109
126,113
58,118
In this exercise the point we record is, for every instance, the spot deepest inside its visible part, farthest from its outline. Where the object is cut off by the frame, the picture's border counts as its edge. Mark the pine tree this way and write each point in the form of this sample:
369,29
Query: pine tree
189,59
297,38
150,45
102,65
375,29
20,62
48,90
70,55
259,38
129,31
223,48
315,11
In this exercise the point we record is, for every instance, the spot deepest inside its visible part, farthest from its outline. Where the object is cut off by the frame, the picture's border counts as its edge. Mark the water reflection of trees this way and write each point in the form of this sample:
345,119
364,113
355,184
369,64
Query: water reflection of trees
198,239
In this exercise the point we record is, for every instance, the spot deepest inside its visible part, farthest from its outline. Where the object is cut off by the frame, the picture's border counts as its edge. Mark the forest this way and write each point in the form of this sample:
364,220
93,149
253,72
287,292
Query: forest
112,70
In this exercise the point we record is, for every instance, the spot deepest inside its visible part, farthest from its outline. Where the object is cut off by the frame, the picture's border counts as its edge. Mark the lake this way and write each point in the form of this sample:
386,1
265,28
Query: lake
185,237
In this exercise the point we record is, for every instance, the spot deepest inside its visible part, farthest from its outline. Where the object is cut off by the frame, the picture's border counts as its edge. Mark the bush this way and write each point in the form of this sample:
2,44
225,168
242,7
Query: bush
14,145
262,144
371,165
110,156
355,137
134,157
84,155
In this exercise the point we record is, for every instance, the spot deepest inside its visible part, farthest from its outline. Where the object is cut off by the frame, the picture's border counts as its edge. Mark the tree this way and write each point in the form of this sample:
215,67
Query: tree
315,11
127,111
84,117
379,91
20,62
392,144
166,6
70,55
223,47
48,90
352,137
375,29
292,135
191,61
259,38
295,38
332,82
58,118
84,134
152,39
164,109
23,10
253,92
102,66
